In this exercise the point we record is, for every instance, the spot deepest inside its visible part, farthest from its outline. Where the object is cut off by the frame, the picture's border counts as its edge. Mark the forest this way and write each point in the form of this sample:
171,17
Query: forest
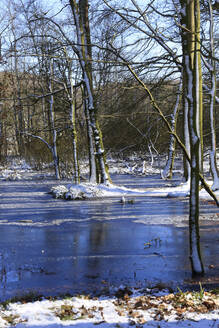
94,81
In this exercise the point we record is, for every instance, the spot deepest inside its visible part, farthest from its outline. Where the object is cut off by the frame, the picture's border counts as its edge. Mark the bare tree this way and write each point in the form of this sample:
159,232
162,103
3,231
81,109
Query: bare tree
167,171
190,12
190,27
84,52
72,96
211,66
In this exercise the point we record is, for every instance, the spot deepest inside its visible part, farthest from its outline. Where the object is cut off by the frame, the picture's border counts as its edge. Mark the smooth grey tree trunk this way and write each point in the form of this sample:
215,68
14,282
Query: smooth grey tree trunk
52,121
80,13
72,117
212,95
191,17
187,167
91,149
167,171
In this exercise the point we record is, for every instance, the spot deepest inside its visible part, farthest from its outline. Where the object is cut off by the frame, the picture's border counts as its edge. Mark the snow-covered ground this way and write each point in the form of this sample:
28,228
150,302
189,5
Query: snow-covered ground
17,171
133,165
127,308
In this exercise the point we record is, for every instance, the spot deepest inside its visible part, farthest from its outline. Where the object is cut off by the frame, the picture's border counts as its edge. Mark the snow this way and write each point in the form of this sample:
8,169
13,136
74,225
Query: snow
215,185
136,310
18,170
10,175
91,190
14,172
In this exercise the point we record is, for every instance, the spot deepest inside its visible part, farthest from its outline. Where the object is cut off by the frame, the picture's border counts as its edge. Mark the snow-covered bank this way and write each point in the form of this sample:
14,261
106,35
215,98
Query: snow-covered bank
134,165
90,190
127,308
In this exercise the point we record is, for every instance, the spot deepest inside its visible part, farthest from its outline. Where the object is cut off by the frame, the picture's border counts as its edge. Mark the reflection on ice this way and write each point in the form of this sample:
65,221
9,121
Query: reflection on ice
11,276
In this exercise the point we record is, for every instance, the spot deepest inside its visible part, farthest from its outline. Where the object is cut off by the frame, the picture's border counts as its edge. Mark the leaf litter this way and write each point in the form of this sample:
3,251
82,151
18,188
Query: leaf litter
126,308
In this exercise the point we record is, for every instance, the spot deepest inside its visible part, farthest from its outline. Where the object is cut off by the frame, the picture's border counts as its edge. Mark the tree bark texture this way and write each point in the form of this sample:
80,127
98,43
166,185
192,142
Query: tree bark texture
80,13
212,95
191,17
167,172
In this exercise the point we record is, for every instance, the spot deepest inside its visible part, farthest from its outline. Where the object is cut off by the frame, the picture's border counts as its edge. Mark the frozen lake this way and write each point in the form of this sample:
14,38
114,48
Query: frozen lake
51,246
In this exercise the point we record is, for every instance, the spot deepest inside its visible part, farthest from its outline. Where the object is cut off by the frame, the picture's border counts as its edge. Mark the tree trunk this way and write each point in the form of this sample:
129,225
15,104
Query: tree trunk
80,13
187,167
167,172
193,74
74,132
212,94
91,149
52,121
186,137
1,132
18,108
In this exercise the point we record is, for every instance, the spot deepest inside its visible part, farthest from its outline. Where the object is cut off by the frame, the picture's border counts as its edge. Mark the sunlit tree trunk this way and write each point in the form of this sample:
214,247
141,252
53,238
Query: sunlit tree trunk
17,87
1,132
212,94
91,149
199,89
186,137
167,171
72,116
52,121
187,167
80,13
18,108
199,114
191,29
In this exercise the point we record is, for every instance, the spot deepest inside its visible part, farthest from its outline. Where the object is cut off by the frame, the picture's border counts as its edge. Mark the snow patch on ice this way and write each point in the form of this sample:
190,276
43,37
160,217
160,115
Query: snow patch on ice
91,190
10,175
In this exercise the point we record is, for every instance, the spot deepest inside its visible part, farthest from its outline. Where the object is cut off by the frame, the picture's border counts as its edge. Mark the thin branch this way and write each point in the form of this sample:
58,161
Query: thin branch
182,146
40,138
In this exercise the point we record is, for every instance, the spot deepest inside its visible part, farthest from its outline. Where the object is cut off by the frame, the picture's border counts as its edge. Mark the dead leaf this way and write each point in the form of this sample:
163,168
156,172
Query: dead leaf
142,321
138,304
